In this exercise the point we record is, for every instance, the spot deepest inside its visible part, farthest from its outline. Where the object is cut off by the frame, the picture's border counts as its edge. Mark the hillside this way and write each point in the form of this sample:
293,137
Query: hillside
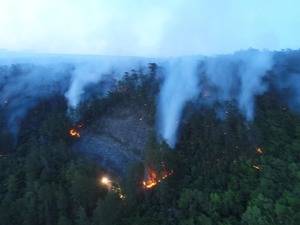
224,167
118,138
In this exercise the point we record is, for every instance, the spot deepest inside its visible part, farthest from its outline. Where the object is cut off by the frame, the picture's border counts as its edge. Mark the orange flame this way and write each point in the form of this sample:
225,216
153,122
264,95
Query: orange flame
153,178
74,133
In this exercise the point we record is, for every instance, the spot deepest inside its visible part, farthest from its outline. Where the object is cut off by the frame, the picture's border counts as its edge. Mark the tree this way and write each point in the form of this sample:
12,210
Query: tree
81,217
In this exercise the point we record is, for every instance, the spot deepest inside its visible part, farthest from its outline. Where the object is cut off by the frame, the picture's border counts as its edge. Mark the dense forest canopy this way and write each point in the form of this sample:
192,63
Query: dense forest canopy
225,167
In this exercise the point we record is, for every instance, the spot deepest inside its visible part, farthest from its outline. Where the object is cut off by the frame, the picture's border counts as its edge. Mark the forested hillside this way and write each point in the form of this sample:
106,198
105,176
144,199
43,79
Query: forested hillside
224,170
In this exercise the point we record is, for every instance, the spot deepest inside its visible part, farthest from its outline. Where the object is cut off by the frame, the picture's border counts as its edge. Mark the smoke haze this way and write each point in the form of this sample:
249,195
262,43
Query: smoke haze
176,34
239,77
236,78
25,80
148,28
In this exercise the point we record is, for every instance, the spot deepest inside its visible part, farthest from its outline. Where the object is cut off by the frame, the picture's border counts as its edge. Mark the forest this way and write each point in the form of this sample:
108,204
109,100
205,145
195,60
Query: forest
222,171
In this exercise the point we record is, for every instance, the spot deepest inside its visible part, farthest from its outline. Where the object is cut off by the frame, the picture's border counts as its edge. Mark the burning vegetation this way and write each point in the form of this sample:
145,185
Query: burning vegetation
110,185
74,132
153,178
257,167
259,151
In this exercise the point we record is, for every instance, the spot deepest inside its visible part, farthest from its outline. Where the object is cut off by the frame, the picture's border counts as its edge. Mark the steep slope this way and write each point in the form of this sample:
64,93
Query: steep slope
117,138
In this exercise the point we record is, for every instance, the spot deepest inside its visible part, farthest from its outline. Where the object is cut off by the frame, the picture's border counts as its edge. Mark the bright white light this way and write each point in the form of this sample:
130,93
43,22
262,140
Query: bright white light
105,180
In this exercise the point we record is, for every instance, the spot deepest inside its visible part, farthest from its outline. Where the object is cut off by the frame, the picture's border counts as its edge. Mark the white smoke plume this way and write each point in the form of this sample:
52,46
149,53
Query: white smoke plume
91,71
237,78
251,74
179,87
26,79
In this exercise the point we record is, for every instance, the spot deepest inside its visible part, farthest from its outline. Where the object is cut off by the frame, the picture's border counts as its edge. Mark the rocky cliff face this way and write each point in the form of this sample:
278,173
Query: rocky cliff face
117,138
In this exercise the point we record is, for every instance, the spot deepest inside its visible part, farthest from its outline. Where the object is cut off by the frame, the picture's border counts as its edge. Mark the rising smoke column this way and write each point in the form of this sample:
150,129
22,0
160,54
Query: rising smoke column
254,67
81,77
179,87
238,78
25,80
92,71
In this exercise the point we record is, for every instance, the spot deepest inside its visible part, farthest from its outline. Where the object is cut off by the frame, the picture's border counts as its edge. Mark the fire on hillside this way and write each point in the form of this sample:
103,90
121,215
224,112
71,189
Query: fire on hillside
153,178
74,131
110,185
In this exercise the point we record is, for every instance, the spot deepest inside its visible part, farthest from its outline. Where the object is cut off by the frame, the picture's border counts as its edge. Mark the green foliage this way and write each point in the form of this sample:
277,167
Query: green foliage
214,181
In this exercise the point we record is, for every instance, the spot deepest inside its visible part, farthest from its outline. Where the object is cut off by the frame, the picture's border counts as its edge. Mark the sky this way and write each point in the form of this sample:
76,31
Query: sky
148,27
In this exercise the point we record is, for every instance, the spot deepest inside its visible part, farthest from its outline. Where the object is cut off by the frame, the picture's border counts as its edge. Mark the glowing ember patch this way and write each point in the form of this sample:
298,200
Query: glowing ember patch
112,186
259,151
105,181
149,183
256,167
74,133
153,178
122,196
